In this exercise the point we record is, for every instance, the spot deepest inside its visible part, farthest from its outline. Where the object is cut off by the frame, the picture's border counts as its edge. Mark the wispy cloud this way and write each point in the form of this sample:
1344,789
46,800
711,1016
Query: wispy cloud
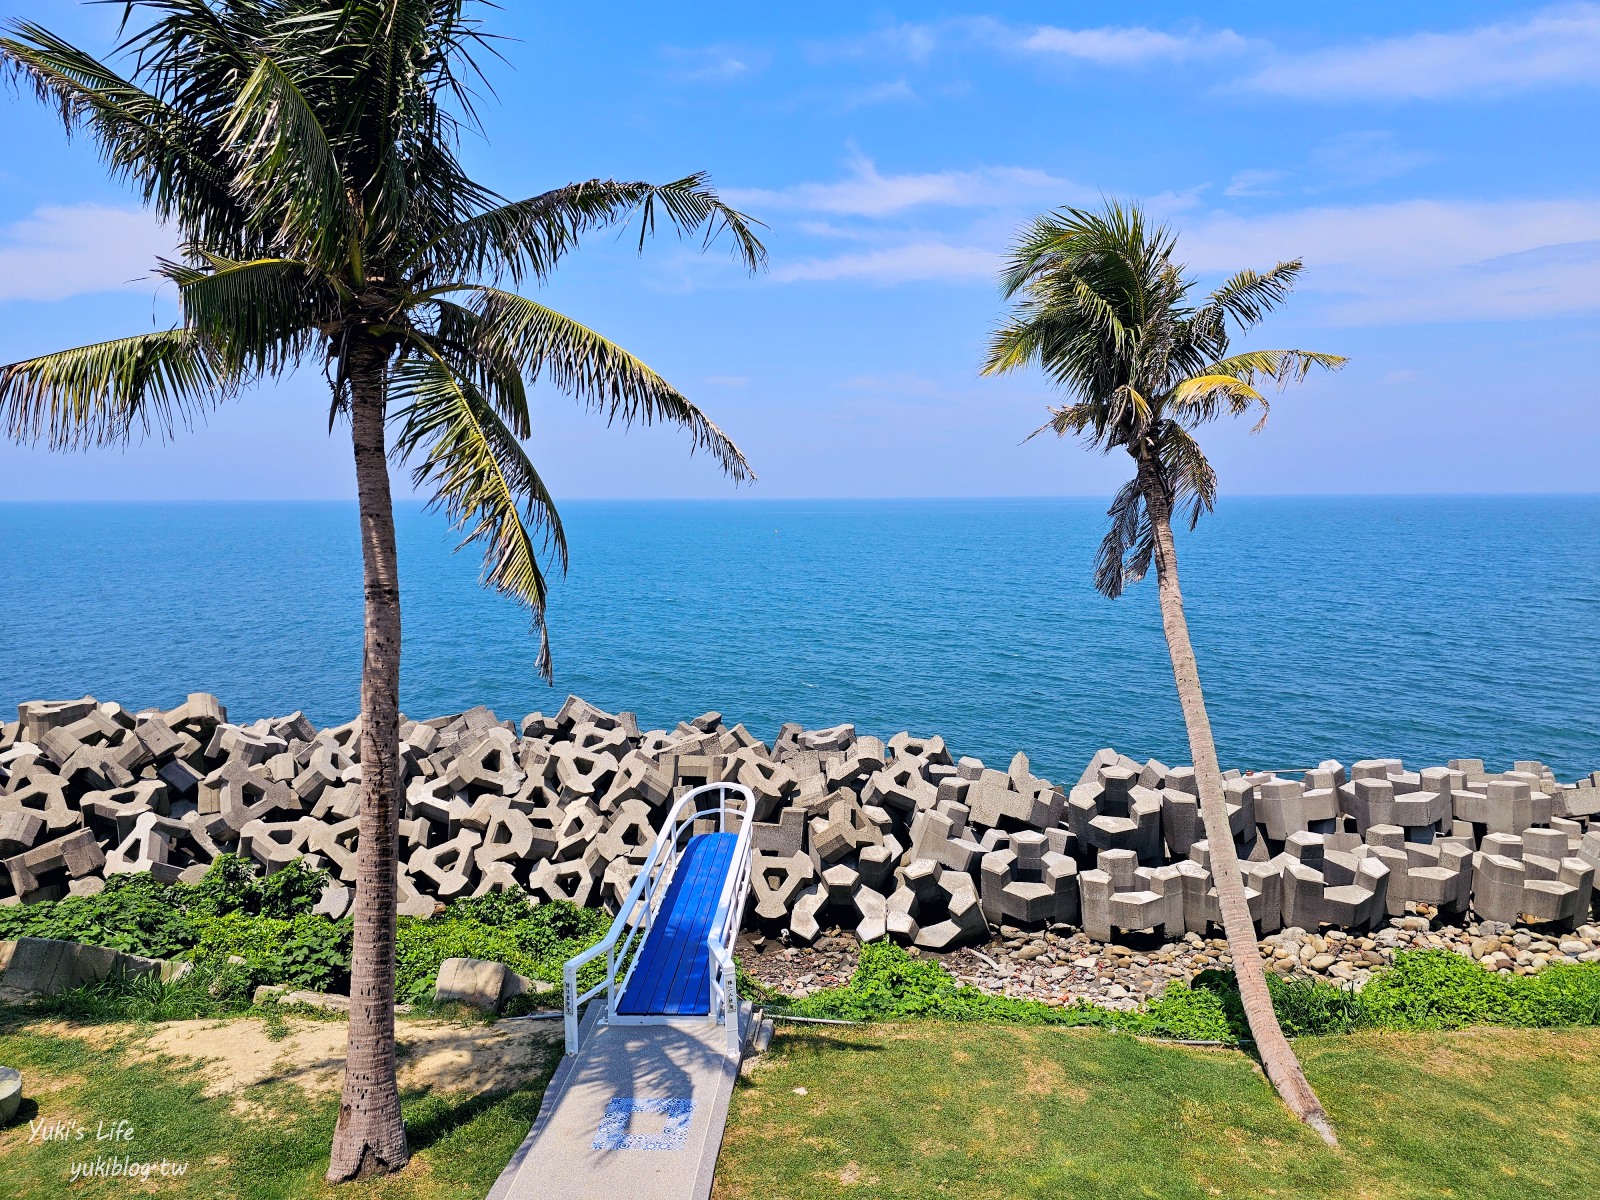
1420,260
1126,46
713,64
927,260
870,193
879,93
1558,45
1356,158
1555,45
1106,45
905,41
1261,182
75,250
1359,157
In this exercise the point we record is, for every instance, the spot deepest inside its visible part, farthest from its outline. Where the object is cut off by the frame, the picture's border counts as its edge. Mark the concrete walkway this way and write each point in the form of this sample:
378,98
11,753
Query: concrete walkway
637,1112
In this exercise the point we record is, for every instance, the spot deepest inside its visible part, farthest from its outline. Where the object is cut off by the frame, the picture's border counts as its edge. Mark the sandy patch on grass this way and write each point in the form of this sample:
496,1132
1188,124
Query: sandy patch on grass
434,1055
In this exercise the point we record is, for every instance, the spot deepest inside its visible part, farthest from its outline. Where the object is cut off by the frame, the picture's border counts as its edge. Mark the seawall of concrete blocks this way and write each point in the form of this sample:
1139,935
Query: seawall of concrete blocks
896,838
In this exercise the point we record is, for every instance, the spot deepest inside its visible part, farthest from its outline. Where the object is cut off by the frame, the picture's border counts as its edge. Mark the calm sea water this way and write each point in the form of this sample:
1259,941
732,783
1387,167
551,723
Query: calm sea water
1426,628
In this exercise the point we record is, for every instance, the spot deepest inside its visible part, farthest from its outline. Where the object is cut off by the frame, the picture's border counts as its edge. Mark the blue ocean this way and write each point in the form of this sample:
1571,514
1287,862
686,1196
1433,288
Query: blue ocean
1424,628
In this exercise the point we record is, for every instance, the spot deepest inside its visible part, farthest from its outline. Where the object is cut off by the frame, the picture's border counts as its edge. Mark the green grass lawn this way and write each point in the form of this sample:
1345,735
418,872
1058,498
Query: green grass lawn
910,1110
269,1143
925,1110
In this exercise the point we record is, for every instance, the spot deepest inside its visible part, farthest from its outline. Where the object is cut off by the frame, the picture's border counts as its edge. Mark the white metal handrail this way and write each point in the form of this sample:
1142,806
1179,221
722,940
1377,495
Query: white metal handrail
725,931
637,912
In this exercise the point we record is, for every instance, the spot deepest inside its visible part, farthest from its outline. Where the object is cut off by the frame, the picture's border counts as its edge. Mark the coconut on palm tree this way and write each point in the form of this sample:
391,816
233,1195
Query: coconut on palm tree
1103,309
304,152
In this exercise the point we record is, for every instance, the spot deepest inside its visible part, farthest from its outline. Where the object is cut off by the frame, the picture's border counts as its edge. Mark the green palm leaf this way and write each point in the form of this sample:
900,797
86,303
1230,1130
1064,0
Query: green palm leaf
467,459
1283,367
287,169
176,162
262,313
594,370
153,383
528,237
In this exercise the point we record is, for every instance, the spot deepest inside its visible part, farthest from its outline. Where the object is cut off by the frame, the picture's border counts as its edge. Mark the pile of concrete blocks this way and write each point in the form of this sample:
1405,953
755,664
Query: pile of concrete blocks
1382,792
896,838
1436,873
1310,805
1532,879
1026,882
1263,892
1110,809
1322,886
1120,895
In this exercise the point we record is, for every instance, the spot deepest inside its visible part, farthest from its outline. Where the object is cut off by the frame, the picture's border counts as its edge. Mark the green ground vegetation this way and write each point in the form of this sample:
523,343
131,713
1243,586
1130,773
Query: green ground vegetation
1012,1112
233,913
1423,990
269,1142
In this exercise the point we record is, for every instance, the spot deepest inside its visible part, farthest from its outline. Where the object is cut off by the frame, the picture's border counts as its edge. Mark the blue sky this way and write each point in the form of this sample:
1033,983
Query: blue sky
1433,164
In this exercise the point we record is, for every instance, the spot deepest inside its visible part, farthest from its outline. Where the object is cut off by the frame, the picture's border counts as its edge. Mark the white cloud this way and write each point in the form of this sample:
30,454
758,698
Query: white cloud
1359,157
1353,159
1106,45
713,64
878,93
901,40
927,260
1554,46
1254,183
1123,46
62,251
872,194
1420,260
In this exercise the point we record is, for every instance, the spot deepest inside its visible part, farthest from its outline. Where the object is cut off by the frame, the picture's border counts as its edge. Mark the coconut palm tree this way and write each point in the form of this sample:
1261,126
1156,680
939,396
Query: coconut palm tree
305,154
1103,309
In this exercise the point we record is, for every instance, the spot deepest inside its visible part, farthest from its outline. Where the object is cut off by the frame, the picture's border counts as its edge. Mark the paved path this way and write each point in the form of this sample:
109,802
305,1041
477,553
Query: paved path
636,1114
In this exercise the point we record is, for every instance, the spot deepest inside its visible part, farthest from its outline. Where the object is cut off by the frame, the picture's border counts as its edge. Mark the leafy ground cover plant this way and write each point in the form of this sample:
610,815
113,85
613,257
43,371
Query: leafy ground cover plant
234,914
1423,990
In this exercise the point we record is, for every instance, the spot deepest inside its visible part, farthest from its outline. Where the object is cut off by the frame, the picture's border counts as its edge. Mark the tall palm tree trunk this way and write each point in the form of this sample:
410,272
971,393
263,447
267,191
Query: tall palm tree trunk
1277,1056
370,1138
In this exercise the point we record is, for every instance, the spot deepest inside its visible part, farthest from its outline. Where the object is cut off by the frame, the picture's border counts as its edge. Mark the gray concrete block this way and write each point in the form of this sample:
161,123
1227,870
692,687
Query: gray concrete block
41,873
1028,883
1113,812
776,882
1120,895
35,718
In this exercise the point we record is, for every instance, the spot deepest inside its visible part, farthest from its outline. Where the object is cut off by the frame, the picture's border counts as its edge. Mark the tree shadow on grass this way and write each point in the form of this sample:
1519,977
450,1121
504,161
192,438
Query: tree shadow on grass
432,1116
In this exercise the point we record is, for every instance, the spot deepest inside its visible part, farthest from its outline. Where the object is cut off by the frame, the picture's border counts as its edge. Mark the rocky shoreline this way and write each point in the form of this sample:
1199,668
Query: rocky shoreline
1100,887
1061,966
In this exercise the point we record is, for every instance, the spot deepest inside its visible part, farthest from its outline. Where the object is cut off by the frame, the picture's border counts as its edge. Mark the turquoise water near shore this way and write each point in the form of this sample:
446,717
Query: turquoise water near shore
1428,628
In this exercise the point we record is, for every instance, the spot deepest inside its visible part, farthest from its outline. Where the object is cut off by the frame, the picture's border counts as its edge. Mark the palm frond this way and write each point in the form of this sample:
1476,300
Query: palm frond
1068,418
1249,296
175,162
1189,477
528,237
1017,343
102,394
595,371
474,469
1283,367
287,172
263,314
477,351
1129,544
1203,398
